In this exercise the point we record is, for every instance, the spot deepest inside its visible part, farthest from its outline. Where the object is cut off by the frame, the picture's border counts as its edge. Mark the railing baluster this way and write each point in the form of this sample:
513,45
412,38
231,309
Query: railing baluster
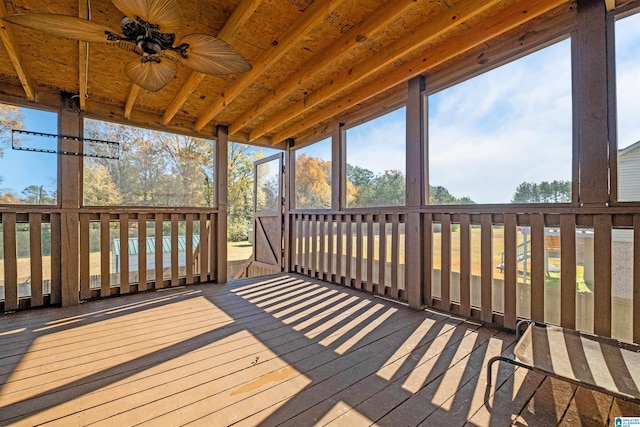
338,276
322,268
124,253
188,248
370,246
213,252
56,264
204,249
35,248
314,246
537,267
465,265
300,243
105,255
486,267
382,256
159,254
602,275
510,270
85,253
10,261
142,252
348,281
358,282
427,260
175,263
307,244
395,254
330,256
445,262
568,269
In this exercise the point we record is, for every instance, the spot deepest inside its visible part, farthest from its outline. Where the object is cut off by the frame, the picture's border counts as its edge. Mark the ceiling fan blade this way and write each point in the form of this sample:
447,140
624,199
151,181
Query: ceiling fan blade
62,25
164,13
150,75
209,55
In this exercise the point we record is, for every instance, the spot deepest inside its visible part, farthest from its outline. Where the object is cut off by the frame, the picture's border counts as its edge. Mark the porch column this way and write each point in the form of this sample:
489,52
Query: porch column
289,202
416,181
591,103
70,196
338,169
222,139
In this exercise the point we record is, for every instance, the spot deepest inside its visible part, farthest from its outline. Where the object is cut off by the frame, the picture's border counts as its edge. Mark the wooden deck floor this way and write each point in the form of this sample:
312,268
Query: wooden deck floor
279,350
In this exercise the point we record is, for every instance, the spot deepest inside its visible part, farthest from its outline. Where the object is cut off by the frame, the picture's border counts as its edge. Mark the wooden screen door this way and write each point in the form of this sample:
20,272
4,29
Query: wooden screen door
268,212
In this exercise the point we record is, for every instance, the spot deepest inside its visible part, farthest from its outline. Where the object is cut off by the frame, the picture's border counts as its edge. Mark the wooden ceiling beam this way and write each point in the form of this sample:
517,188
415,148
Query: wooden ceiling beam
423,35
238,18
611,5
131,100
83,58
505,20
363,31
6,34
290,37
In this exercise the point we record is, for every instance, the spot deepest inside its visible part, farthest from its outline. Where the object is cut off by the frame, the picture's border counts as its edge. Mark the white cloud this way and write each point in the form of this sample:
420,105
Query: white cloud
510,125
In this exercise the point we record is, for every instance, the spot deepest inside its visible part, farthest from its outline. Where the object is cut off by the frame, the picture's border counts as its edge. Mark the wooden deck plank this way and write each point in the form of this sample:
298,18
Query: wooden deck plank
284,349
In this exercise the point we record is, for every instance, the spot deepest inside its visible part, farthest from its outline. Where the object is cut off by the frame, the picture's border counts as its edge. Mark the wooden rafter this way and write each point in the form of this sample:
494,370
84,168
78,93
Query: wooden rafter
340,47
238,18
299,29
439,25
131,100
488,29
611,4
83,58
6,33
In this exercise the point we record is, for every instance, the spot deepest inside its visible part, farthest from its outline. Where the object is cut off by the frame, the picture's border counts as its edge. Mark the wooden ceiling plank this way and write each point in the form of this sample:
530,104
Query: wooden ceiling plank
289,38
488,29
6,34
131,100
611,5
83,58
238,18
364,30
435,27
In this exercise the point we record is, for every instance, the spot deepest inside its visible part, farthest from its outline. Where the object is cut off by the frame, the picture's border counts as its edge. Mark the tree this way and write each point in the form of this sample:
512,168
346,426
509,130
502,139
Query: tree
313,183
240,189
10,118
439,195
543,192
368,189
36,195
99,188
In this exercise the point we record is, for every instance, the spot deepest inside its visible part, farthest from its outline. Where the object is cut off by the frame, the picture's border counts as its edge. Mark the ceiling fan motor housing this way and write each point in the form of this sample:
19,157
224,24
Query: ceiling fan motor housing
146,35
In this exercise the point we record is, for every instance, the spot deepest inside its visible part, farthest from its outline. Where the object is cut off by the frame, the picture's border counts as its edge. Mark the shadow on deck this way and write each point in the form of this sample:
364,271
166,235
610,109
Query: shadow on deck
278,350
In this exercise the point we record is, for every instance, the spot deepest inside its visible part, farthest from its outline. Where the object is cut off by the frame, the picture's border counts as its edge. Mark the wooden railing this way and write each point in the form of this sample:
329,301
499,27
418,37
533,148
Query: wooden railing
470,264
31,273
362,250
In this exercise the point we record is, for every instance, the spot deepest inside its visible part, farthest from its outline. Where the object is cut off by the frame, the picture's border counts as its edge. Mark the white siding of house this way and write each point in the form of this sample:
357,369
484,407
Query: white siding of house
629,176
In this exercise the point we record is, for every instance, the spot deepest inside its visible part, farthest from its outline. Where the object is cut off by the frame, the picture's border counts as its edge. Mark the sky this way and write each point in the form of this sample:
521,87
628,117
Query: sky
22,168
486,135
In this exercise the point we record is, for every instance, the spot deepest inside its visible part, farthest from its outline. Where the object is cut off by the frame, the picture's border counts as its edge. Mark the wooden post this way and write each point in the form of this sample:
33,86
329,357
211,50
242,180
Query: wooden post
590,102
289,203
221,196
416,170
70,196
338,168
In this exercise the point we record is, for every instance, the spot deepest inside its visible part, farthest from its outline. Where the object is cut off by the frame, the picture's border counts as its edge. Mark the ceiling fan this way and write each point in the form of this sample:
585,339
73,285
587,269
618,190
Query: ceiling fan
148,29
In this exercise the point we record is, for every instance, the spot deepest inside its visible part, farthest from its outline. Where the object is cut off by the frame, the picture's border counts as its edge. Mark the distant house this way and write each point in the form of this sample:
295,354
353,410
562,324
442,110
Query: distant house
629,173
